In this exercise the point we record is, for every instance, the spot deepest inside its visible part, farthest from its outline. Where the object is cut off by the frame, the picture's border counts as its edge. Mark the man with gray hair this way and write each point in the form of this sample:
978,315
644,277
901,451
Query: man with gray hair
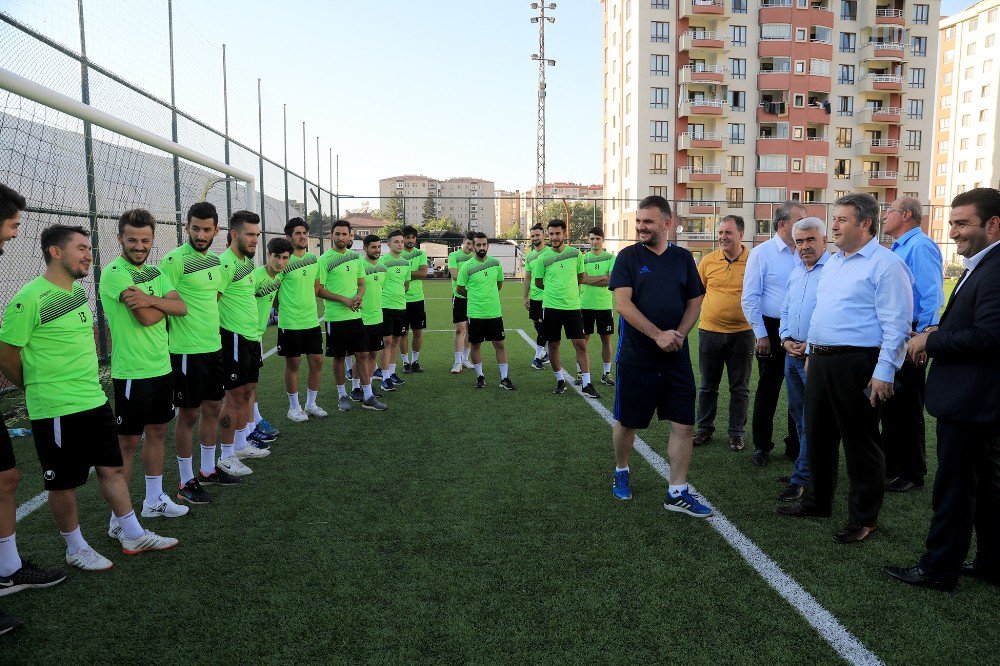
764,287
903,431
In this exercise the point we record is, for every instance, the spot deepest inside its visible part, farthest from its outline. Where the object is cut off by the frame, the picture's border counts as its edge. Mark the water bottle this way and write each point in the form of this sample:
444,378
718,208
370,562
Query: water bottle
18,432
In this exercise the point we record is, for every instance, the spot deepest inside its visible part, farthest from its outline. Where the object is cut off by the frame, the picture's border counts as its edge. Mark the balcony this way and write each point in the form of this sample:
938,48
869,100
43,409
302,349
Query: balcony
877,82
817,145
889,17
774,79
710,8
703,106
704,41
772,145
768,112
817,115
703,141
696,207
885,50
776,11
878,178
704,174
880,114
702,74
877,147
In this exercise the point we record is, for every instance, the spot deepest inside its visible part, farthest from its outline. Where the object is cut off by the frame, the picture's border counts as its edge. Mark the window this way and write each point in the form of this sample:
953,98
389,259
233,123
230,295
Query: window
845,106
738,100
991,15
628,40
987,66
946,102
659,130
973,23
737,133
776,31
944,124
661,4
797,165
771,194
697,131
841,169
979,163
738,35
981,140
763,228
914,138
815,164
963,166
949,33
658,98
772,163
942,169
628,167
659,65
734,197
819,67
967,97
848,42
918,46
939,190
985,91
736,165
628,103
800,34
990,40
658,163
970,49
949,55
918,77
984,115
921,14
628,135
915,109
946,79
738,68
739,6
963,144
659,31
799,100
658,191
848,10
942,146
846,74
969,73
844,137
800,66
966,119
911,171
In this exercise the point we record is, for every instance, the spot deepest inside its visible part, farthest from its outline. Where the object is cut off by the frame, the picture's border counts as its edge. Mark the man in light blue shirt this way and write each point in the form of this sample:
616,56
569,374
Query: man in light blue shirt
764,285
796,311
856,342
903,431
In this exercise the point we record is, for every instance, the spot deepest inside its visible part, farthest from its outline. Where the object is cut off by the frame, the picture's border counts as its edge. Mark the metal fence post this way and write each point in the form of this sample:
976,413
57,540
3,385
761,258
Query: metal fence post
173,123
284,116
319,196
260,156
225,133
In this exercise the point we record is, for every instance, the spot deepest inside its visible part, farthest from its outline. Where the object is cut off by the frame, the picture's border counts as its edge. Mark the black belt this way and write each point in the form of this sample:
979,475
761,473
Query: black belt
824,350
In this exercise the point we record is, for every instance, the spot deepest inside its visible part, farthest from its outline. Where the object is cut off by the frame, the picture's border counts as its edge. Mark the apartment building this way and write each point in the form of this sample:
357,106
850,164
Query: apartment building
571,192
732,106
967,125
508,212
469,201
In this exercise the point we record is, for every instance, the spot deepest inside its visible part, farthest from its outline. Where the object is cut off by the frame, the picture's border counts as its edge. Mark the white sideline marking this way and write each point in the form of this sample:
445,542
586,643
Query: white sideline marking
822,620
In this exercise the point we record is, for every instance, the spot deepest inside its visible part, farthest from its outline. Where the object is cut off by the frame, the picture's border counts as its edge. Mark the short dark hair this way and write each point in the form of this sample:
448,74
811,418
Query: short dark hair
57,236
865,208
293,224
470,235
372,238
656,201
139,218
279,245
480,234
10,202
342,223
985,199
557,223
783,213
394,233
737,220
203,211
242,217
538,227
409,230
597,231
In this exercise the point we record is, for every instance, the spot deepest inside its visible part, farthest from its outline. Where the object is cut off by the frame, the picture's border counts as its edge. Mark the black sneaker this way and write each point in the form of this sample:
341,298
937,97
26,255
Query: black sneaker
388,385
350,373
537,364
415,367
192,493
590,391
8,622
506,384
607,379
395,379
29,576
219,477
406,368
357,395
578,381
259,441
480,382
560,387
793,493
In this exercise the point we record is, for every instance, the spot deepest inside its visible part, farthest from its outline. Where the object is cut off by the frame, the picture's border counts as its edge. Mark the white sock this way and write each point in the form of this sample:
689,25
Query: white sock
130,526
607,368
466,353
355,383
207,459
240,437
414,355
154,488
348,364
676,490
577,368
392,369
293,402
458,357
479,369
621,469
311,397
503,371
257,418
539,351
558,374
405,357
186,469
10,561
367,389
74,541
586,378
341,390
226,451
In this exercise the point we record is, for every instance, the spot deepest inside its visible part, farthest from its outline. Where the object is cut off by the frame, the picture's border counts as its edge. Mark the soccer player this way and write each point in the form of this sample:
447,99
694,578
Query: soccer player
416,313
15,574
196,352
393,307
459,315
533,295
342,286
372,317
47,347
298,322
596,300
480,281
267,280
240,345
137,298
560,273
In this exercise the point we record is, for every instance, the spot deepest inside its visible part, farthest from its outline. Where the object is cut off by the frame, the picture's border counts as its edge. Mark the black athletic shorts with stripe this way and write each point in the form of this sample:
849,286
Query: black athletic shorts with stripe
198,377
143,402
68,446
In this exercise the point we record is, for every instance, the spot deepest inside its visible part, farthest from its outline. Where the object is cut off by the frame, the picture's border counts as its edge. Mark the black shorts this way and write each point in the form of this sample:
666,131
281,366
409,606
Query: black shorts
260,355
535,310
482,330
605,320
344,338
393,322
296,342
459,310
374,338
641,391
240,360
554,321
68,446
6,450
197,378
143,402
416,316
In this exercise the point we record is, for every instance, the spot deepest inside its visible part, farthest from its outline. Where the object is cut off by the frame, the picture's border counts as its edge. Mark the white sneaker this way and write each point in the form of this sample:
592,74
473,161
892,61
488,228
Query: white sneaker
88,559
315,410
148,541
297,415
233,466
251,452
163,508
466,363
457,368
114,528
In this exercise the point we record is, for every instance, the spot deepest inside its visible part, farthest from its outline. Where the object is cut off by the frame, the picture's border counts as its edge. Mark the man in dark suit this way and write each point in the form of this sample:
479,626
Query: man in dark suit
964,394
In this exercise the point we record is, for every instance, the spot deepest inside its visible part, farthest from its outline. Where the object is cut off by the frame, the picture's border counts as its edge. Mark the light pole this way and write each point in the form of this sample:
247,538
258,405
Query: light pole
539,57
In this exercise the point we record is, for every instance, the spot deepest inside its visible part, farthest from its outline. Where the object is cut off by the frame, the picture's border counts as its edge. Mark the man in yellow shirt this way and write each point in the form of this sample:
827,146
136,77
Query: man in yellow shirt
725,338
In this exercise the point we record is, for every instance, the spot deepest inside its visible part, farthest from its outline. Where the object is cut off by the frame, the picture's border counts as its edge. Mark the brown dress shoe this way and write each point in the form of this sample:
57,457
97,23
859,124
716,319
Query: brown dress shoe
701,438
853,534
736,443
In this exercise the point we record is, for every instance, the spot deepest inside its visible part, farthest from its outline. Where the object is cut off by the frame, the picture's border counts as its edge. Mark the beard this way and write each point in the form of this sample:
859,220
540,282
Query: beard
481,254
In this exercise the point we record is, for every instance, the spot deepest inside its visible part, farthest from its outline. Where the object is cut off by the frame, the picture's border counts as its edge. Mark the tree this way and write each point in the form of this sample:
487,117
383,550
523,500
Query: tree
430,209
318,224
583,216
393,211
445,223
511,232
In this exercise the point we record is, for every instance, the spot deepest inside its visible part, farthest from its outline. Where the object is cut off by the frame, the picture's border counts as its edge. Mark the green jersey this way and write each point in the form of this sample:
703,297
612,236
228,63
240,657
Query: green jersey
559,270
55,330
137,351
198,280
418,260
455,260
297,309
371,304
394,289
482,280
265,289
237,307
534,292
593,297
339,273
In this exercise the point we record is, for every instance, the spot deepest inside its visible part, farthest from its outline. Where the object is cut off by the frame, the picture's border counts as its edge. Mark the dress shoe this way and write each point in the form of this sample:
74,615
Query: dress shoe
903,485
784,479
792,454
760,458
969,569
853,534
701,438
800,510
920,578
793,493
736,443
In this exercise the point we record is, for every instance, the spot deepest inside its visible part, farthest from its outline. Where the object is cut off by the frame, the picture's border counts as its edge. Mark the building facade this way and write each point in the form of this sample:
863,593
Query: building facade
533,199
508,212
469,201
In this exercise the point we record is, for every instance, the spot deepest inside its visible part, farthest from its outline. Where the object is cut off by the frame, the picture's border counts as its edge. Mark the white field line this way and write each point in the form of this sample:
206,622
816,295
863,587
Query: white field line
822,620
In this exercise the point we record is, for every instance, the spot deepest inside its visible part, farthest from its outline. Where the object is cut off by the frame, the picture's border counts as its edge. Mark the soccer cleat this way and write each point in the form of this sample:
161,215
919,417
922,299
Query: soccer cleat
377,374
8,622
457,368
686,502
219,477
415,367
344,403
480,382
163,508
506,384
466,363
607,379
262,444
265,426
560,387
88,559
590,391
545,359
192,493
315,410
30,577
406,368
350,373
357,395
395,379
251,452
621,487
388,385
297,415
233,465
374,404
537,364
578,381
148,541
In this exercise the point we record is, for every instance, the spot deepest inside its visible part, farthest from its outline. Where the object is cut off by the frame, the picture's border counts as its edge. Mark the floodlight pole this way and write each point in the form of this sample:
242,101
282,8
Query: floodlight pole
541,19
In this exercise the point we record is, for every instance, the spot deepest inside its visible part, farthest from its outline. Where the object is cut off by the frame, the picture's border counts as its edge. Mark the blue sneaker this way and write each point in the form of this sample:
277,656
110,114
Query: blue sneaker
685,502
377,374
259,435
396,380
350,373
621,487
545,359
388,384
257,439
265,427
537,364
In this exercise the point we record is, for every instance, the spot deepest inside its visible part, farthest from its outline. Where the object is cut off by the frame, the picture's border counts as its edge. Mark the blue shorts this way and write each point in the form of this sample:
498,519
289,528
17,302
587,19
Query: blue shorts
641,391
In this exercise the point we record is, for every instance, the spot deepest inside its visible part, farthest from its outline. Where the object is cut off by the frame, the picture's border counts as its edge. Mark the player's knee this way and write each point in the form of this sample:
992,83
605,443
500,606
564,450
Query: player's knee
187,416
292,363
9,479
